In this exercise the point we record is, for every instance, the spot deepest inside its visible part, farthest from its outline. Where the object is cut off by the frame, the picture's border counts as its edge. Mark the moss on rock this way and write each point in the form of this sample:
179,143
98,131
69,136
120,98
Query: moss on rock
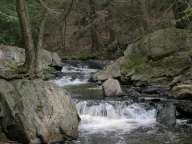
158,57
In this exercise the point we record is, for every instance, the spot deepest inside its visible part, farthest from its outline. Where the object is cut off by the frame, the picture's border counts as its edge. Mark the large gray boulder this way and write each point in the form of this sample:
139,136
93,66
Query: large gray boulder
111,71
36,111
111,87
157,57
11,56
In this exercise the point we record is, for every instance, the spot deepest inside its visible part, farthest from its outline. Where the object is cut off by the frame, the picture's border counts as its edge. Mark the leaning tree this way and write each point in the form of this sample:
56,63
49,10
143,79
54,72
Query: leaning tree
31,65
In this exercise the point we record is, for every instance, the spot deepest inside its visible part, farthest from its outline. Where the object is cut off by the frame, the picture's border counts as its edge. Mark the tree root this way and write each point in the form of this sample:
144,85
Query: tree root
10,75
13,75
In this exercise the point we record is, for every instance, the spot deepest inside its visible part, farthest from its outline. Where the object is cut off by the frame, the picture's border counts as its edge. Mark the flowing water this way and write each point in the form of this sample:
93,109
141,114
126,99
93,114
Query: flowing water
75,75
113,121
113,116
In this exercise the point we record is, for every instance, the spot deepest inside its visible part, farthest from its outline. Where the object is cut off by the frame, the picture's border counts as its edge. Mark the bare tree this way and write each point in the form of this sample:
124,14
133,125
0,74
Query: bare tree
30,53
31,65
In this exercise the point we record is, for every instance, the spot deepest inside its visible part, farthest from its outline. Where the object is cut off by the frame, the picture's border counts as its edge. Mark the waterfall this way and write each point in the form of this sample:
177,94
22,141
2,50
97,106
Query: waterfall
111,120
75,75
114,115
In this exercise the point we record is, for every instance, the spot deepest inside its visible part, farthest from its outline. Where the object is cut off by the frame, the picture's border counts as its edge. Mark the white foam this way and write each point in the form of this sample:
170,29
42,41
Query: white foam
70,71
82,69
116,116
66,80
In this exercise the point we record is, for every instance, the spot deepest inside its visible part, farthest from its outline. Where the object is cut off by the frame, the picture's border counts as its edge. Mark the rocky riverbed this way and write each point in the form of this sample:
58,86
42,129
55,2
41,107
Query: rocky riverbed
157,66
45,110
145,113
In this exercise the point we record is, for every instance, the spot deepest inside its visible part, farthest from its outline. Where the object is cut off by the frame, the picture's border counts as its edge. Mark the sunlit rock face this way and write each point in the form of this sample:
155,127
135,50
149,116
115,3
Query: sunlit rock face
11,57
33,111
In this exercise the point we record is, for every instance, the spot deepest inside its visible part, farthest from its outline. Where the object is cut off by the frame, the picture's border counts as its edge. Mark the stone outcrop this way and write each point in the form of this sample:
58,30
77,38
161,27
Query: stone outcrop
111,87
36,111
157,57
182,91
11,56
112,71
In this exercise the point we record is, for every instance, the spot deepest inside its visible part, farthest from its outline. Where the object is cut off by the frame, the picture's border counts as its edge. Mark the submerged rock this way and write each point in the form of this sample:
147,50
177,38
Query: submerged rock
166,114
112,87
133,92
36,110
184,108
156,89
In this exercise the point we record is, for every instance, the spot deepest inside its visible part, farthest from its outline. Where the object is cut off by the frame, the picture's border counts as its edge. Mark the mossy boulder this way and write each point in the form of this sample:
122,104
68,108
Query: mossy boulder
139,68
157,57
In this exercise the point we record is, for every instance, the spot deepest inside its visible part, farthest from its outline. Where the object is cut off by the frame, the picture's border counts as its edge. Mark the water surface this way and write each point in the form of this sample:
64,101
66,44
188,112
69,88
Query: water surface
115,121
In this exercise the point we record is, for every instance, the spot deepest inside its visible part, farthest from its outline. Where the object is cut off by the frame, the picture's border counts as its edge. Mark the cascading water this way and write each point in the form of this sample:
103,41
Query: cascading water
75,75
111,121
104,118
113,116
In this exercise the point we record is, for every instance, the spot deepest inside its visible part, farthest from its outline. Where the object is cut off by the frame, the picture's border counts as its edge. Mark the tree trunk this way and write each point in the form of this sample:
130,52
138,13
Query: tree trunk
29,65
92,16
40,40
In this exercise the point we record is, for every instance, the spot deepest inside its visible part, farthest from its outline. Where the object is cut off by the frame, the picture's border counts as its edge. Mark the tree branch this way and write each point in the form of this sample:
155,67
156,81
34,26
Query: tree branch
50,10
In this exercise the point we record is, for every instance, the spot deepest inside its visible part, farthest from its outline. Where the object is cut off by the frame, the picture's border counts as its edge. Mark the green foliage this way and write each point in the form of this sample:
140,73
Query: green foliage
9,26
9,22
35,12
185,15
188,14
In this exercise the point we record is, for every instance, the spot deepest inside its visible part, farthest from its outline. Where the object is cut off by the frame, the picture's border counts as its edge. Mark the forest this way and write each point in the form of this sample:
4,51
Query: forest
95,71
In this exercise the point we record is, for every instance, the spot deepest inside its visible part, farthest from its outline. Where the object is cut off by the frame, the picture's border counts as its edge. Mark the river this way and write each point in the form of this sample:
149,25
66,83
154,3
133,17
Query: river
115,121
